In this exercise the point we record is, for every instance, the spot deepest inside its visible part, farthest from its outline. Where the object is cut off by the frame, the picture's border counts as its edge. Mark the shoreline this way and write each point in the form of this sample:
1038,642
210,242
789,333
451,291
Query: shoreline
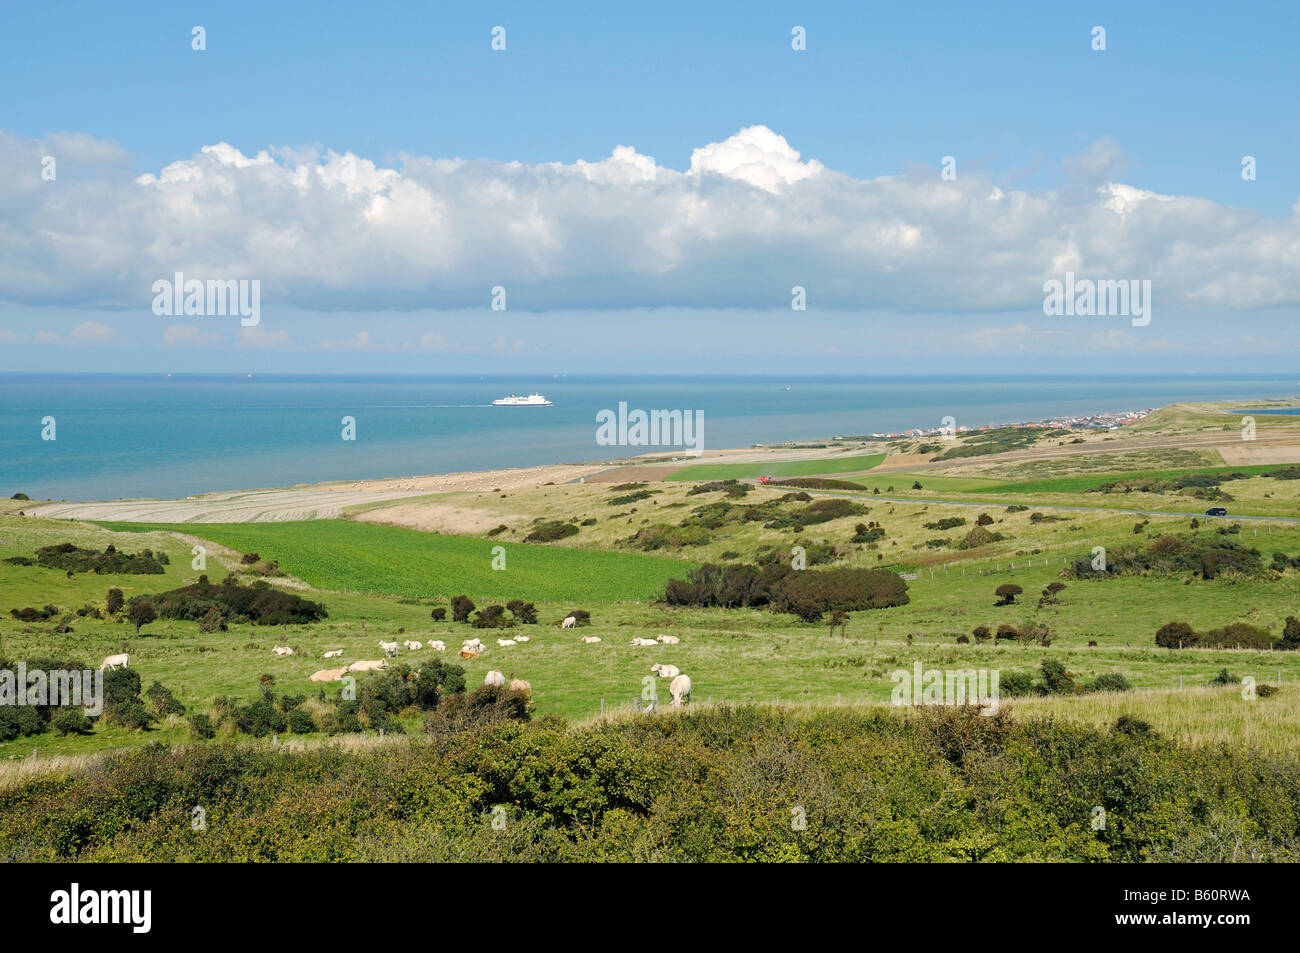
329,499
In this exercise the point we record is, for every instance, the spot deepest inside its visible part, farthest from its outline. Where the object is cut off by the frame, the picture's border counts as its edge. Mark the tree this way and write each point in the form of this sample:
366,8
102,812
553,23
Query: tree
1048,598
141,614
981,633
1290,634
115,600
1007,593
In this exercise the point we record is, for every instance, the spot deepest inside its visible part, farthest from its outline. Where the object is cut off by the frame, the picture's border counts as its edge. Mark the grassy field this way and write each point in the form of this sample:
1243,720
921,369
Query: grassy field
381,582
778,469
360,557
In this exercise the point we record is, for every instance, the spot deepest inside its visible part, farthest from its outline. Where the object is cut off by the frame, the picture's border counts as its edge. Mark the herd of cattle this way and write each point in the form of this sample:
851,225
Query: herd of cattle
679,687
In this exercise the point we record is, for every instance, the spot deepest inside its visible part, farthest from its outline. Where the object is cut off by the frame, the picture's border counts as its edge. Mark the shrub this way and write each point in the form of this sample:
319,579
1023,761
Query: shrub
162,702
493,617
201,726
981,633
72,558
983,520
1056,680
141,614
71,721
16,720
549,532
977,538
301,722
1134,726
1016,684
1173,635
461,607
811,592
948,522
259,603
1007,593
1109,682
1225,678
524,612
212,621
115,601
438,615
1007,631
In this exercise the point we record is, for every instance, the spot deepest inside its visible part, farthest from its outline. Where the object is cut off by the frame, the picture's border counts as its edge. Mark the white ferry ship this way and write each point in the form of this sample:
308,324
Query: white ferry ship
514,400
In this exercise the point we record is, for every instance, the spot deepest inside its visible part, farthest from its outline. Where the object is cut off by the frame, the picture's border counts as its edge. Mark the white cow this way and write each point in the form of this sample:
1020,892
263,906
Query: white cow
368,665
390,648
569,622
505,642
282,650
591,638
335,654
438,645
519,685
523,638
472,645
413,645
680,687
666,671
494,678
669,639
640,641
113,661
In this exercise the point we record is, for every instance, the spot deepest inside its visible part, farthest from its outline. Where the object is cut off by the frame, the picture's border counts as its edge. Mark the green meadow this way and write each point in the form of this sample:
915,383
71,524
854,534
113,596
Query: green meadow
778,469
361,557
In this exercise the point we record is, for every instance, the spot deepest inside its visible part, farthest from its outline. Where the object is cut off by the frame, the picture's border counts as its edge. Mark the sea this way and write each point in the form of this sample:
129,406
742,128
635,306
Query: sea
122,436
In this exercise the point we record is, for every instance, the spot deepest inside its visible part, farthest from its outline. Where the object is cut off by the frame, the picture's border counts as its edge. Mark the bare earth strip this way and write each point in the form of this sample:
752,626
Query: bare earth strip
322,501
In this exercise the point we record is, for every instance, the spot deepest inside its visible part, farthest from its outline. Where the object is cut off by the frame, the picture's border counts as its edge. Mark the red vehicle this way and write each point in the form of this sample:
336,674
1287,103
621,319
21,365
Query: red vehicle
764,479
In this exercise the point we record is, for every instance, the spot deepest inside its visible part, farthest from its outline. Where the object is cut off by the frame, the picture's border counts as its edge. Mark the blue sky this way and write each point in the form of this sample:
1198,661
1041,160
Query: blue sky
1181,93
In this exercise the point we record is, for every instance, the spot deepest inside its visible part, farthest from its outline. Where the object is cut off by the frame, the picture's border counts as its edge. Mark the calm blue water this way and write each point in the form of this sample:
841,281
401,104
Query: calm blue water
122,436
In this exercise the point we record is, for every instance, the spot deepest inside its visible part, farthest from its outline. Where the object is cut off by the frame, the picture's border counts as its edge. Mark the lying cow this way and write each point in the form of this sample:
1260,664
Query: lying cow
334,654
282,650
666,671
368,665
329,674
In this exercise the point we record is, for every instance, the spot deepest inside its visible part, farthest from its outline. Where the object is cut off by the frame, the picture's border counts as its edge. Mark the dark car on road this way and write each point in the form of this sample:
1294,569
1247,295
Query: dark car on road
1216,511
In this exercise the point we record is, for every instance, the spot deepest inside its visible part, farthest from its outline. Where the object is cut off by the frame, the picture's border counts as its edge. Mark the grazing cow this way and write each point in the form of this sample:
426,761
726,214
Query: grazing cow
591,638
390,648
669,639
282,650
335,654
666,671
569,622
438,645
368,665
505,642
519,685
640,641
413,645
494,678
473,645
523,638
328,674
680,687
113,661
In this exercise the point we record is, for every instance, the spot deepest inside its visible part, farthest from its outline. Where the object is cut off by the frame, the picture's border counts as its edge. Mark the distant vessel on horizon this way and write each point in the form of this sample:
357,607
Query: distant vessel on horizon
514,400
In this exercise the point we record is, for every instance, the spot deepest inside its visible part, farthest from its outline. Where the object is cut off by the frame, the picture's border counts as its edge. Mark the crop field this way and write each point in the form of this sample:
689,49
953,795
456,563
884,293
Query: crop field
359,557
